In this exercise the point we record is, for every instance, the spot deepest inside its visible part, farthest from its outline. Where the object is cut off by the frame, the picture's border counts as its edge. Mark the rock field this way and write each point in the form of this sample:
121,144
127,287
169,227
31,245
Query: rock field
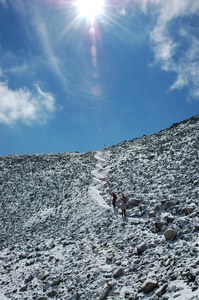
60,238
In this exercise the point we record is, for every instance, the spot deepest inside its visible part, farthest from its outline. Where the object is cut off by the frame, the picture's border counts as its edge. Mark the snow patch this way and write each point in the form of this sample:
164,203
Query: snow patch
41,216
100,177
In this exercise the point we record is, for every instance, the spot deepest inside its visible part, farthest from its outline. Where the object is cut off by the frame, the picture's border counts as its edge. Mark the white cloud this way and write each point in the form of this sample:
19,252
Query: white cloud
24,106
185,64
176,48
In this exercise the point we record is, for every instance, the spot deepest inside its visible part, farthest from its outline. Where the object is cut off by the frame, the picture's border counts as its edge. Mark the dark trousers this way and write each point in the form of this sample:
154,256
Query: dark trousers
123,212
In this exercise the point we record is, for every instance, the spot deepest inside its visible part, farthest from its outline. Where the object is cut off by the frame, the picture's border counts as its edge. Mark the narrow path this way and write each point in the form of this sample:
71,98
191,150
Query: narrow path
100,176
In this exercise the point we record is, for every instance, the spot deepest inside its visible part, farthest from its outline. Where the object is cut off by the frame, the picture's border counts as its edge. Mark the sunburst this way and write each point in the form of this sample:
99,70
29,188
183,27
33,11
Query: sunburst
90,9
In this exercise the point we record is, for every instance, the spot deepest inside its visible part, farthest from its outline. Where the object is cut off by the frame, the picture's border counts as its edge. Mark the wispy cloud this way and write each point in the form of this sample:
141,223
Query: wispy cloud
39,25
47,47
17,69
3,2
25,106
175,40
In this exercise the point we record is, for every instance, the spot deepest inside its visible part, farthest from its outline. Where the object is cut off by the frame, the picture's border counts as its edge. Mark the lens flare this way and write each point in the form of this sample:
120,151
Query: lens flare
90,9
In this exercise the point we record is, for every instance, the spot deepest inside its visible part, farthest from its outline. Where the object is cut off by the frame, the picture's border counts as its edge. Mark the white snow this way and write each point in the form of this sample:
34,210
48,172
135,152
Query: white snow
2,297
39,217
61,239
100,177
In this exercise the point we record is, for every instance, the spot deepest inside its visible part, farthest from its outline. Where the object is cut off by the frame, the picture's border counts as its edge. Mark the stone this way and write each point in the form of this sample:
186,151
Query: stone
46,286
162,290
170,203
111,284
196,226
191,275
170,218
118,273
188,210
29,278
141,248
170,234
22,256
56,281
30,262
44,276
23,288
118,263
52,294
105,293
109,259
149,285
151,214
134,202
159,225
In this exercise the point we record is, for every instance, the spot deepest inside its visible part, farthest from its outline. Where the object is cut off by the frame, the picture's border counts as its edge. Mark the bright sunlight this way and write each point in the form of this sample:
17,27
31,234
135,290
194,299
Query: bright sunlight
90,9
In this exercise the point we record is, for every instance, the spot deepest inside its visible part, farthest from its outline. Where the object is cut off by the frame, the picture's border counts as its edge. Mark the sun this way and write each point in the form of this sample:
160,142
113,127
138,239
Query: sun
90,9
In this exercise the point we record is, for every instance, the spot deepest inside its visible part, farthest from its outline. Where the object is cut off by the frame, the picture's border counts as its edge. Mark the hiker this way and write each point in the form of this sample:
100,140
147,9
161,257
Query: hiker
114,198
124,205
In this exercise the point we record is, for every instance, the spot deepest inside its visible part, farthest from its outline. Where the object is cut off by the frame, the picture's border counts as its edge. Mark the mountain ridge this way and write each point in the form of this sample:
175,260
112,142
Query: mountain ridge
191,119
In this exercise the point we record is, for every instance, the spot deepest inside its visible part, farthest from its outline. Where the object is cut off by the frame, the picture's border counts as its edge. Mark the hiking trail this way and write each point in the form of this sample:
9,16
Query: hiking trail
100,176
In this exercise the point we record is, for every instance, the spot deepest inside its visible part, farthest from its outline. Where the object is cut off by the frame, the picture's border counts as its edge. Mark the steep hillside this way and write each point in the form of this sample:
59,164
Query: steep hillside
37,193
164,166
61,239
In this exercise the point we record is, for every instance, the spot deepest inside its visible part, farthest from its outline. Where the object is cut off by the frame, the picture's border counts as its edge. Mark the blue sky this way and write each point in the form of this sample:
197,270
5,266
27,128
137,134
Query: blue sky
69,83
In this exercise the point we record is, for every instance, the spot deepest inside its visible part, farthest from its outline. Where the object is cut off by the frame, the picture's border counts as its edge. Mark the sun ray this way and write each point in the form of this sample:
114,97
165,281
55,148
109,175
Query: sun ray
90,9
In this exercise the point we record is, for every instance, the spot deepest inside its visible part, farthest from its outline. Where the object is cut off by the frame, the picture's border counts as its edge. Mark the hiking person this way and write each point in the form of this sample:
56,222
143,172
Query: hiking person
114,198
124,205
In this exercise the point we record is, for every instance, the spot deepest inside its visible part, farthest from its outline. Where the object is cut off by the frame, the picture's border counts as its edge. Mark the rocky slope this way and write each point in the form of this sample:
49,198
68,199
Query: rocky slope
61,239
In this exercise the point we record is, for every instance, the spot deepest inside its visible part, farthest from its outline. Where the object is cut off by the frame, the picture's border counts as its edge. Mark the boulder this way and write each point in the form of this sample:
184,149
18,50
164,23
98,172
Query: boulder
105,293
169,203
161,290
188,210
56,281
134,202
141,248
170,234
149,285
118,273
23,288
46,286
30,262
22,256
151,214
191,275
52,294
29,278
196,226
